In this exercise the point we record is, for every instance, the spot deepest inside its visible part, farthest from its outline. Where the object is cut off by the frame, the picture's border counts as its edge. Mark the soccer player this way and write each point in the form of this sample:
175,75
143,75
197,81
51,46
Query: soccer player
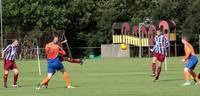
71,60
9,55
54,64
190,60
159,50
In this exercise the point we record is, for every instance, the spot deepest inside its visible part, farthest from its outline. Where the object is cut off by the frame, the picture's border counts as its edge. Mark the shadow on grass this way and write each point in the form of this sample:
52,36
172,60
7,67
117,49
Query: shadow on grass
24,86
167,80
61,87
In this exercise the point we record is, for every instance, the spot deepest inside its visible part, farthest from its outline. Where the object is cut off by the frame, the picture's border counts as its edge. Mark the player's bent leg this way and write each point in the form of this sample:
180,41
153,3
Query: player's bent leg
45,80
49,76
187,77
66,78
158,71
159,68
154,66
46,84
7,67
72,60
5,78
195,77
161,59
189,67
16,74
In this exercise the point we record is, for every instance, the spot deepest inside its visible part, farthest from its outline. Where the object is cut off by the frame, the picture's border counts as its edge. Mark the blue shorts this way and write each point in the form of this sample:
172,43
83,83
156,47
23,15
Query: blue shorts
54,64
192,62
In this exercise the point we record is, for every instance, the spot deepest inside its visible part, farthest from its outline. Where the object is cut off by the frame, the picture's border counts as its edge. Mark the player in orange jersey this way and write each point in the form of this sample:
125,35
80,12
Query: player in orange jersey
53,50
190,60
68,59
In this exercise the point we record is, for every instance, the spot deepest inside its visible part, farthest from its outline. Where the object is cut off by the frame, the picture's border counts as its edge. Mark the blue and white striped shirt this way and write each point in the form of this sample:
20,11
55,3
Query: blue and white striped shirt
161,44
10,52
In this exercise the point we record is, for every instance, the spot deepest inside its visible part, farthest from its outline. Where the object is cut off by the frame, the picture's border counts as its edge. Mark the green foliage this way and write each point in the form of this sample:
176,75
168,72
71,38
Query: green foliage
89,22
192,21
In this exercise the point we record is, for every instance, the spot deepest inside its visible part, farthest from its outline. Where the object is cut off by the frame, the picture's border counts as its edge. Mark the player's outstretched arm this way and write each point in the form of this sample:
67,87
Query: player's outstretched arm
63,41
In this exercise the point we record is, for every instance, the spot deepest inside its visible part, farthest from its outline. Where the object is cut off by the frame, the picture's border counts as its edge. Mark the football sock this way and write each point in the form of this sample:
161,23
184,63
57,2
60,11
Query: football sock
66,78
15,79
5,79
45,81
154,68
187,75
73,60
159,71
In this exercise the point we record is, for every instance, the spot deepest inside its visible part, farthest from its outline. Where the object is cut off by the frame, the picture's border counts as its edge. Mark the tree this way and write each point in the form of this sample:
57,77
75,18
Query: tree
89,22
192,22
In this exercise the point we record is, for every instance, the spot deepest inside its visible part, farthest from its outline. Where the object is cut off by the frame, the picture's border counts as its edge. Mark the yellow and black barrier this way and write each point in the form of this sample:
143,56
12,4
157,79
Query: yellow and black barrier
132,40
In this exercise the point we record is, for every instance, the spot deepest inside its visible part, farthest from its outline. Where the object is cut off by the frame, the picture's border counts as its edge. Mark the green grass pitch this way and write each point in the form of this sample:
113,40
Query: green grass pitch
103,77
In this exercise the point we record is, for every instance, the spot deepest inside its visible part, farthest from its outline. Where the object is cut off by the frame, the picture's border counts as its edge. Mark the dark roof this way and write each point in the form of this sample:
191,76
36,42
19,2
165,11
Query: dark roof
171,23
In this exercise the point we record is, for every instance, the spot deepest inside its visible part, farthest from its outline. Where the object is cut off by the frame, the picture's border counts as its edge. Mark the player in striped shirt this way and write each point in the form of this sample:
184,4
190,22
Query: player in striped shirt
9,55
190,60
159,50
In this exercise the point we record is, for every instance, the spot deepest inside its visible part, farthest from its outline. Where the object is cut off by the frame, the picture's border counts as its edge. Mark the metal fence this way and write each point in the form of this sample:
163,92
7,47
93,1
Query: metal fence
88,52
77,52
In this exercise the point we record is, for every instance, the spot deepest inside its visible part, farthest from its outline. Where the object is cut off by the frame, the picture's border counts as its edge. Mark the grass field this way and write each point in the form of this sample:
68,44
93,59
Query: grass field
105,77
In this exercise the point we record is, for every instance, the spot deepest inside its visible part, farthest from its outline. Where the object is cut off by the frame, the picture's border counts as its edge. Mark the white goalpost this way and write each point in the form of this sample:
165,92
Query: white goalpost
165,63
38,61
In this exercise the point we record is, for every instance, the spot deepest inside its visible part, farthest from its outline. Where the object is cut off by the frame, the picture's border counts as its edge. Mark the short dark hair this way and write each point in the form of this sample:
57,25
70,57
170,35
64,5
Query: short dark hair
13,40
50,38
55,35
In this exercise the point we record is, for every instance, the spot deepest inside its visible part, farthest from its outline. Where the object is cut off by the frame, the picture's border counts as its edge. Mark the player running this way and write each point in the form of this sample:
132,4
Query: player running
9,55
159,50
53,50
190,60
